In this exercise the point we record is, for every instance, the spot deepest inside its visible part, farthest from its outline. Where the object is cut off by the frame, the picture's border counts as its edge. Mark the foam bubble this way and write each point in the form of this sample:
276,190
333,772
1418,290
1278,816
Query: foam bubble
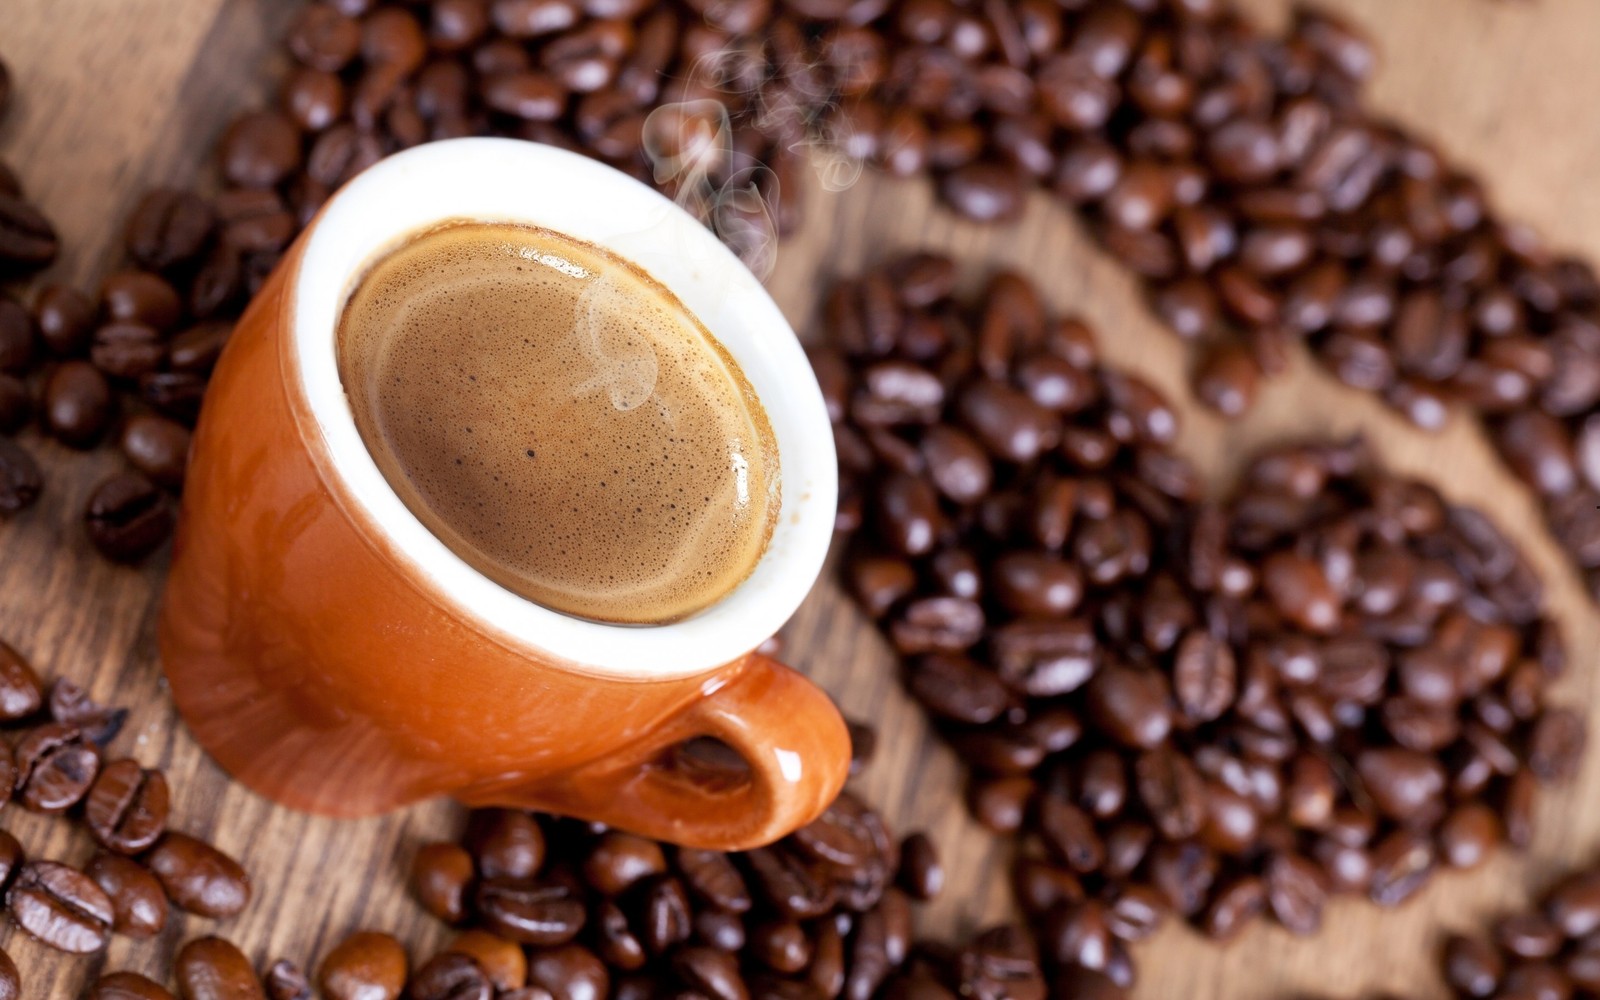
560,421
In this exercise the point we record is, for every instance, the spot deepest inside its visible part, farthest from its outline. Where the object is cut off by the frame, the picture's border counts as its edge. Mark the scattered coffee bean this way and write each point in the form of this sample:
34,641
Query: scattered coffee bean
210,968
366,965
56,767
138,906
77,403
127,517
127,807
198,877
60,906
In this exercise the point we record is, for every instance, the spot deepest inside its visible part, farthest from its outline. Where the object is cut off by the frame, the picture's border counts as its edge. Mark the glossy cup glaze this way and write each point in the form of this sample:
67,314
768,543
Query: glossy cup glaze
334,655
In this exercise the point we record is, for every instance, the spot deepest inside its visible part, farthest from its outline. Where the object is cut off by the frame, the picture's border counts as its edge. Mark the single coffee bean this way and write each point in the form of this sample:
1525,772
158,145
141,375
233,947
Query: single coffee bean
127,807
21,693
168,228
367,965
197,877
142,297
285,980
20,478
127,517
138,906
619,860
505,843
10,978
157,447
77,404
126,350
210,968
65,318
55,767
501,960
450,976
529,912
712,877
920,873
569,972
1472,967
127,986
60,906
259,150
440,877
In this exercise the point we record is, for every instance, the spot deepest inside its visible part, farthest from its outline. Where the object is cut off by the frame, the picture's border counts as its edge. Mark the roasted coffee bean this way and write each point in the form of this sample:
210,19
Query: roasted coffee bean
60,906
127,517
21,693
168,228
77,404
985,191
126,350
20,478
529,912
569,972
441,875
367,965
259,150
197,877
450,976
65,318
1468,834
126,808
127,986
285,980
1472,967
921,873
210,968
55,767
505,843
619,860
138,906
501,960
712,877
157,447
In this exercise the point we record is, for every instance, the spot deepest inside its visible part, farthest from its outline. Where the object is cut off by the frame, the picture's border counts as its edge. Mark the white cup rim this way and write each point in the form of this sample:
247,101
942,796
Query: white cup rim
509,180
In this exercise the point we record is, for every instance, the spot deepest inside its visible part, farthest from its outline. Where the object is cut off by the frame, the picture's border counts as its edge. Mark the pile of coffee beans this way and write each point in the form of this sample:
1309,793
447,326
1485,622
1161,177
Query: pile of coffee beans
1332,682
555,909
56,762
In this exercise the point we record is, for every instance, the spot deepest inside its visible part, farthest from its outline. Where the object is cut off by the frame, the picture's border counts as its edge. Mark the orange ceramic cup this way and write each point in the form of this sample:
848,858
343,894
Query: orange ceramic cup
334,655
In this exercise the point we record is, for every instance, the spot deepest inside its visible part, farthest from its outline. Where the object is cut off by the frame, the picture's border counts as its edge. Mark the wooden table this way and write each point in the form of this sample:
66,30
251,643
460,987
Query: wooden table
113,95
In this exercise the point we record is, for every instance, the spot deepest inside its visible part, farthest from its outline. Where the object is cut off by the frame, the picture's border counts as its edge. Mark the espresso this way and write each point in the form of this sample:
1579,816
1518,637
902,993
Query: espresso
560,421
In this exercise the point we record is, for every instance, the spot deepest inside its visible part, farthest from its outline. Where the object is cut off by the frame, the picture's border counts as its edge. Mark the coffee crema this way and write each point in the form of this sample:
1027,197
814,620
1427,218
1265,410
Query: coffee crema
560,421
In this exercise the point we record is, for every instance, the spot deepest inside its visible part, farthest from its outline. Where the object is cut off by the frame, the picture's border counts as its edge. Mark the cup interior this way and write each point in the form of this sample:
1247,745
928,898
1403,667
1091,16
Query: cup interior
507,180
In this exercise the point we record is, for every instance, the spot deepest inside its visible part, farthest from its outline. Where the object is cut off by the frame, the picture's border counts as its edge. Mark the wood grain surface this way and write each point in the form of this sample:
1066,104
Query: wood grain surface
113,95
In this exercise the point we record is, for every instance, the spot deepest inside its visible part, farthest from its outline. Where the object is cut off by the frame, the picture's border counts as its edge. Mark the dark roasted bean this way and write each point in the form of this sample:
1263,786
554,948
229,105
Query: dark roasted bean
138,906
198,877
210,968
60,906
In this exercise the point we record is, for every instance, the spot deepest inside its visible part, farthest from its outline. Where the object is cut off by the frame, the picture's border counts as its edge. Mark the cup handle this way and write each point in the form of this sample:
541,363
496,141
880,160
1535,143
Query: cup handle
788,731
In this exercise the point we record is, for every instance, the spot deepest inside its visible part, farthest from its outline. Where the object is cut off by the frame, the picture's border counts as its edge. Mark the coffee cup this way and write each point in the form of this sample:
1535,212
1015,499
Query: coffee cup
334,655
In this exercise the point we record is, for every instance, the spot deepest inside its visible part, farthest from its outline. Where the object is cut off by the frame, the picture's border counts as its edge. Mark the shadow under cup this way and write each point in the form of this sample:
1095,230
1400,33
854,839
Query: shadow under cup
334,655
